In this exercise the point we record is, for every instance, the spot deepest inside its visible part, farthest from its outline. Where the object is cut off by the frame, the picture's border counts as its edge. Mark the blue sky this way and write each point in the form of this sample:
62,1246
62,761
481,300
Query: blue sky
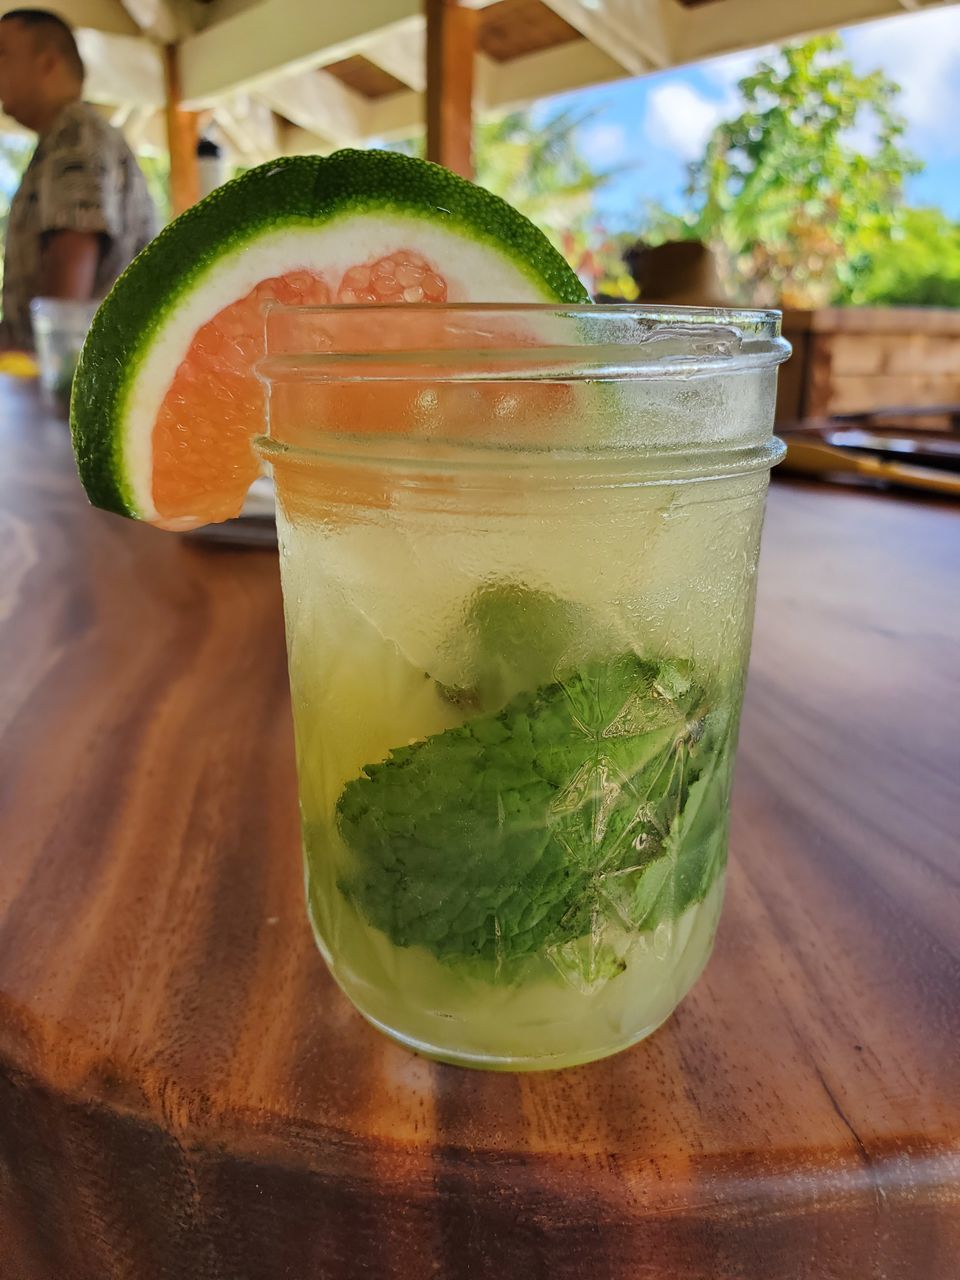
657,124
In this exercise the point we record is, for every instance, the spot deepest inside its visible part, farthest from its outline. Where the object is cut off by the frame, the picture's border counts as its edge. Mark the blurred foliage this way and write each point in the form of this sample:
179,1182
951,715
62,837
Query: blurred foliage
803,189
539,166
596,255
156,170
15,153
919,265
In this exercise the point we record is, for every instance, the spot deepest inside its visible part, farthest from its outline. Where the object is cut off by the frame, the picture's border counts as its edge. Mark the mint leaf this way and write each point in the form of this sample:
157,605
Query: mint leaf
695,849
637,893
500,837
696,845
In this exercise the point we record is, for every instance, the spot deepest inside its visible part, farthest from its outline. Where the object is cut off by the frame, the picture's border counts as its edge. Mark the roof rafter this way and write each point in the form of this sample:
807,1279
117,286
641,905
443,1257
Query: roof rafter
635,33
280,36
708,30
318,102
402,52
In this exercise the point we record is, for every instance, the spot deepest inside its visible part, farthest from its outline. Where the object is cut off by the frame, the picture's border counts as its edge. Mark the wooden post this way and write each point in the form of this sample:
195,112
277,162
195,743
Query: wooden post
451,31
181,138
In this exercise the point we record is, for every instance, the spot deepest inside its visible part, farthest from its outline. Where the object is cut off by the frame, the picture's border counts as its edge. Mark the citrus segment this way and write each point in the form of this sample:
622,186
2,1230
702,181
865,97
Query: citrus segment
166,399
202,460
398,277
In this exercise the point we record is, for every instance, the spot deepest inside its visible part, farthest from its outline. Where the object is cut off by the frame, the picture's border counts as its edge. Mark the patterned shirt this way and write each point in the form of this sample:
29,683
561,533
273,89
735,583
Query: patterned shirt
81,177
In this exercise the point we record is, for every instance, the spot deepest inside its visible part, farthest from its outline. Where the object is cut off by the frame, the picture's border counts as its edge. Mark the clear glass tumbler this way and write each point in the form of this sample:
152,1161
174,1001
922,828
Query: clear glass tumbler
518,548
59,328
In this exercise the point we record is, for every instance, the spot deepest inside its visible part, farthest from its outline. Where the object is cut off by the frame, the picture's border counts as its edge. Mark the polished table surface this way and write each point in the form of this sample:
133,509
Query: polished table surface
184,1093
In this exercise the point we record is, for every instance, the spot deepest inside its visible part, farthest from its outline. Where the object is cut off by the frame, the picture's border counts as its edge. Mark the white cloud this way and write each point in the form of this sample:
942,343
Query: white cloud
604,143
726,71
921,51
680,119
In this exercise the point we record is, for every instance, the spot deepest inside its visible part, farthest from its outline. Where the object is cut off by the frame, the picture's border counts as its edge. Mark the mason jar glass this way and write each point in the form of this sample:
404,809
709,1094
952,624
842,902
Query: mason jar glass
518,549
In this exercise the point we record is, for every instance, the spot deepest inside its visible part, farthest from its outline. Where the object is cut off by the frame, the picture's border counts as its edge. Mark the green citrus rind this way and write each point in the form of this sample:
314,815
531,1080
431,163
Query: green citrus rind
294,192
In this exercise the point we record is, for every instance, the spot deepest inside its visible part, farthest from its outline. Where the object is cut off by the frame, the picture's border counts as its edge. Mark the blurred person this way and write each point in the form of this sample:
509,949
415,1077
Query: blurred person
82,211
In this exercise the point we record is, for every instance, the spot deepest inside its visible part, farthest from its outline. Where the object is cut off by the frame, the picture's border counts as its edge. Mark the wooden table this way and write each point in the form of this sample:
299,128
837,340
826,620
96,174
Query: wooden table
183,1092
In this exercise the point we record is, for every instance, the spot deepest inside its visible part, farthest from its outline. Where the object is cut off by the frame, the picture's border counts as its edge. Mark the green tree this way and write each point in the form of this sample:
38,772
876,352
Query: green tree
540,168
806,183
919,265
156,170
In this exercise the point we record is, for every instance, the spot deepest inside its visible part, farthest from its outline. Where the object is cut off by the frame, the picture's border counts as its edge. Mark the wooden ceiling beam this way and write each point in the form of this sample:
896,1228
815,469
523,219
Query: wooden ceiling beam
122,69
145,130
402,52
250,127
108,16
318,102
709,30
501,86
637,34
165,21
296,141
505,85
277,37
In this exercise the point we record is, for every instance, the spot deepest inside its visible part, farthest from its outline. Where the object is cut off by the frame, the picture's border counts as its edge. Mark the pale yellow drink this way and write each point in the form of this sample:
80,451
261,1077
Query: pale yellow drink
516,677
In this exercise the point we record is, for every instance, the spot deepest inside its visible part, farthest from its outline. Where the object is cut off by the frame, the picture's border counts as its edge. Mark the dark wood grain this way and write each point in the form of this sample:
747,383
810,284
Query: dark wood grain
183,1092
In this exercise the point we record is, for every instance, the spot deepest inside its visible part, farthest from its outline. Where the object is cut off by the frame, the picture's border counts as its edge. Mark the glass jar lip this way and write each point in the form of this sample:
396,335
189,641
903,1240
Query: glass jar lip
561,342
754,315
558,468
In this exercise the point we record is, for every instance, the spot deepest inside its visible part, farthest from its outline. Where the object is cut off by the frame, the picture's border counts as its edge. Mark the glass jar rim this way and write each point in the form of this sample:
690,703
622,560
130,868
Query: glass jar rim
560,342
